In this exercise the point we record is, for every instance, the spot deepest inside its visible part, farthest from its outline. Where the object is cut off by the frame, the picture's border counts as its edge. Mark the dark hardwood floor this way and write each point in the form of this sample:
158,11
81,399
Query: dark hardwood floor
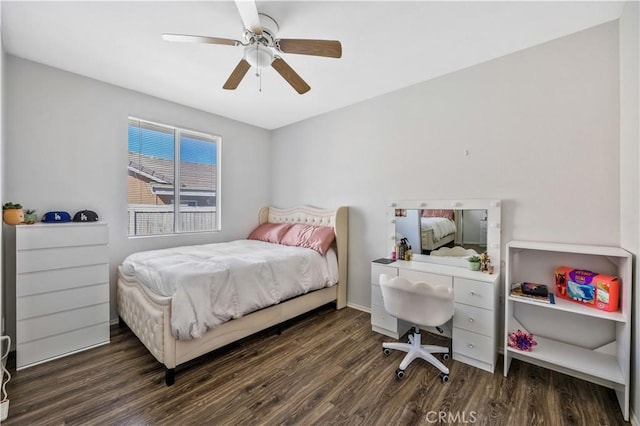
325,368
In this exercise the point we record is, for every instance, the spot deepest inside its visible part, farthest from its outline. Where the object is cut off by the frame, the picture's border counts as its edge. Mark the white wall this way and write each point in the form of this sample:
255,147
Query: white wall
629,168
66,149
542,131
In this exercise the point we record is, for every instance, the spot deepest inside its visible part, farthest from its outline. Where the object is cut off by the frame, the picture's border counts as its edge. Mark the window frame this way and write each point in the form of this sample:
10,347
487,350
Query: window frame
177,135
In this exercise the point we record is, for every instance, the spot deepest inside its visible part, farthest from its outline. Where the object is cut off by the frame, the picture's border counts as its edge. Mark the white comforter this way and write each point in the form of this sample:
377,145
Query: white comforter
213,283
441,226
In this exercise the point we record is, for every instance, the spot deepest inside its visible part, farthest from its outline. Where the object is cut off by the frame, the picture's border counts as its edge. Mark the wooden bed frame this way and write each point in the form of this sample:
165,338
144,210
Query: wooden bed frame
148,315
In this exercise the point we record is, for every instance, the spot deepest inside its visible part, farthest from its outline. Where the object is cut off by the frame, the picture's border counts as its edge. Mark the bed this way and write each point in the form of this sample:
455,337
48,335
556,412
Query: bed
437,228
149,314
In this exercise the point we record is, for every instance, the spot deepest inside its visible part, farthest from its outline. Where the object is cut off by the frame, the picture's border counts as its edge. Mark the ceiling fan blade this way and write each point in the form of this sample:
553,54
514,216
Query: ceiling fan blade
199,39
249,15
237,75
290,75
326,48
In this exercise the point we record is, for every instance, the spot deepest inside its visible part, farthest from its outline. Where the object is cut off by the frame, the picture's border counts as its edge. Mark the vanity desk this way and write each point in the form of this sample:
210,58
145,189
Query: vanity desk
474,332
474,335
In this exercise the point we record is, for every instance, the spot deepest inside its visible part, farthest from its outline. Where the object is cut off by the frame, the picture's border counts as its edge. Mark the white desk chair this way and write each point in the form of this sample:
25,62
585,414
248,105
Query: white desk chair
419,303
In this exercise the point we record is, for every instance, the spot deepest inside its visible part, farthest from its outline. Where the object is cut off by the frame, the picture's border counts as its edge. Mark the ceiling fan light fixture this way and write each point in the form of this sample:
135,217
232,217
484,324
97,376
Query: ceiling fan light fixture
258,56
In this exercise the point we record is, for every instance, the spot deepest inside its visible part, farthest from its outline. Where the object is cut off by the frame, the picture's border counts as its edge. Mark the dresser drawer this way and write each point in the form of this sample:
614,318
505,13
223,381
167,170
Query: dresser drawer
61,235
380,318
476,320
61,322
61,279
473,345
61,344
474,293
376,295
49,303
62,257
433,279
377,269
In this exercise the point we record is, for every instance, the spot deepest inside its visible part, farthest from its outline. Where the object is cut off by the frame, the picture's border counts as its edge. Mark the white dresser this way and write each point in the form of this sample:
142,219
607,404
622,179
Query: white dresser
475,321
62,290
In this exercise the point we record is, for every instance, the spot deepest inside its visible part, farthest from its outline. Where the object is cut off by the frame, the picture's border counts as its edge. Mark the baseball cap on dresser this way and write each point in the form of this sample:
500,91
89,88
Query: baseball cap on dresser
85,216
56,216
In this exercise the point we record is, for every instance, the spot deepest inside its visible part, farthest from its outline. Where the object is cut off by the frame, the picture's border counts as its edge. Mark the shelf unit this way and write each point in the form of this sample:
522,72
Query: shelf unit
574,339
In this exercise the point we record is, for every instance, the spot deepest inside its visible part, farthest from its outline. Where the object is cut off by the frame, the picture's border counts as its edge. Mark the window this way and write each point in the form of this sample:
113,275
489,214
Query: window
166,164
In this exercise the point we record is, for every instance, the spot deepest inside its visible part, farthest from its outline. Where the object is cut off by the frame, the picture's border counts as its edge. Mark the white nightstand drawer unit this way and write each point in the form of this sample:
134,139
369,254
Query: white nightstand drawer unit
381,321
475,323
62,290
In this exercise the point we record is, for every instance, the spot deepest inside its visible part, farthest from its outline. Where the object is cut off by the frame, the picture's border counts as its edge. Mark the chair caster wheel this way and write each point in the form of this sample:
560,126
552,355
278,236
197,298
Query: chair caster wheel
444,377
386,351
400,374
445,357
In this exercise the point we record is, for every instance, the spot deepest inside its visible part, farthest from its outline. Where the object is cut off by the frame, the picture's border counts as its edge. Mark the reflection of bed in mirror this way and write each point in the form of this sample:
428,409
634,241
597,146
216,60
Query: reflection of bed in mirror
477,227
418,227
437,228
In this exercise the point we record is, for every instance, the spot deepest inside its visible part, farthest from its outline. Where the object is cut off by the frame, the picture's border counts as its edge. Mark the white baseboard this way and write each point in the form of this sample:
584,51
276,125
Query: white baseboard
359,307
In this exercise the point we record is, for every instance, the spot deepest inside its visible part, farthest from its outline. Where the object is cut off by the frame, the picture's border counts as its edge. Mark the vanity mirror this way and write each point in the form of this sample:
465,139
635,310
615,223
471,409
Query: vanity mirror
446,231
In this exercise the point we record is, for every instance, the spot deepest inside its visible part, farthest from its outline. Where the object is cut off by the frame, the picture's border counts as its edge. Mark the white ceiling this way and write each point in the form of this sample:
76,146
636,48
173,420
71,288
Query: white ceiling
386,46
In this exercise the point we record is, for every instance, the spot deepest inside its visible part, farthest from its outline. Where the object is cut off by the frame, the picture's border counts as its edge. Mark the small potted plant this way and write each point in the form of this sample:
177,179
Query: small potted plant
474,263
12,214
30,216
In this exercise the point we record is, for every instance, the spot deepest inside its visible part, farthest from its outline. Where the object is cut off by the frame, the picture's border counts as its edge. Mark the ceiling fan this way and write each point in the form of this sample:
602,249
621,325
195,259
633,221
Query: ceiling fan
261,47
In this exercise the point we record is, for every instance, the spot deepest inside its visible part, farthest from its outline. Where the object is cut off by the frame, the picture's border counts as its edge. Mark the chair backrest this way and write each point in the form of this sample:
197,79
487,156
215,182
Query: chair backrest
420,303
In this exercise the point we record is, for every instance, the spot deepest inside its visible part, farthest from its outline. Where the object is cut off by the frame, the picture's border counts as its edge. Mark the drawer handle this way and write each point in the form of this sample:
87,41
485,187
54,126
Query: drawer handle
472,293
470,346
471,320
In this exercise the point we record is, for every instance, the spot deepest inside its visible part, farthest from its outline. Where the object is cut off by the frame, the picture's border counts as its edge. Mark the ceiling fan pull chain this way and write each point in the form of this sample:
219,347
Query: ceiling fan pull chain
257,61
260,87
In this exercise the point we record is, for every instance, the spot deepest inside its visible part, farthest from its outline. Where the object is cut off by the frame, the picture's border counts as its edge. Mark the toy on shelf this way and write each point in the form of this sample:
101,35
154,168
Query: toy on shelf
522,341
588,288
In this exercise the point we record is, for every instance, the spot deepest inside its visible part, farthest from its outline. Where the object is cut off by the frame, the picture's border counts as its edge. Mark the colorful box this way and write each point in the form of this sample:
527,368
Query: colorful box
588,288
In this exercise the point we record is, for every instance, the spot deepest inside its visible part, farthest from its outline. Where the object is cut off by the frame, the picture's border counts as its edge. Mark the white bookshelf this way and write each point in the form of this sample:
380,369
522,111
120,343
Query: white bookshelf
574,339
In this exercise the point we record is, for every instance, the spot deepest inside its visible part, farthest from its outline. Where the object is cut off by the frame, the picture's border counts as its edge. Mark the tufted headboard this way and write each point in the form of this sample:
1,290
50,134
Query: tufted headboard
338,219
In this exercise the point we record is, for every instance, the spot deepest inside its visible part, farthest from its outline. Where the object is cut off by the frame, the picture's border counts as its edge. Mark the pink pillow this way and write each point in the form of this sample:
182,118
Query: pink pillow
448,214
270,232
318,238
